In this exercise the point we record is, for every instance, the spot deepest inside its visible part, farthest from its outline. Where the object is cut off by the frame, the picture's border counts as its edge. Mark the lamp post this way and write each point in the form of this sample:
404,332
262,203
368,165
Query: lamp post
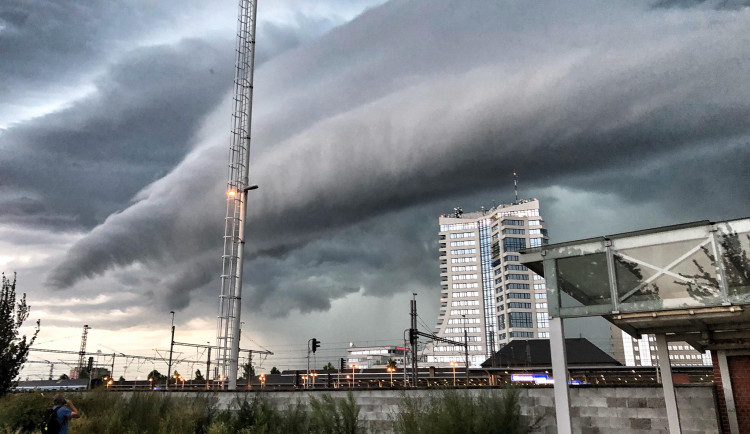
262,378
353,368
453,365
390,370
151,382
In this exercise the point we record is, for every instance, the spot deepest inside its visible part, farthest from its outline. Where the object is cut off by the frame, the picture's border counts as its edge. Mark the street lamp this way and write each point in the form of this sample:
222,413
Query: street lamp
453,365
390,370
262,378
151,382
353,368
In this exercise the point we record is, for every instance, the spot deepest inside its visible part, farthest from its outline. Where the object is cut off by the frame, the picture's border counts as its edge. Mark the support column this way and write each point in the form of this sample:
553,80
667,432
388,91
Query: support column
560,373
726,385
670,399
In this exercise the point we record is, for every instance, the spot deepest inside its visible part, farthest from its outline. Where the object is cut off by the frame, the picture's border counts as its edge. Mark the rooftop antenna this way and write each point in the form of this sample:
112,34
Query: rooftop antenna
515,184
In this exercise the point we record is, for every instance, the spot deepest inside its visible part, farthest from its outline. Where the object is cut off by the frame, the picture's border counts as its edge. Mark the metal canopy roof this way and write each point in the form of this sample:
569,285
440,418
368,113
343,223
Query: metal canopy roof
661,280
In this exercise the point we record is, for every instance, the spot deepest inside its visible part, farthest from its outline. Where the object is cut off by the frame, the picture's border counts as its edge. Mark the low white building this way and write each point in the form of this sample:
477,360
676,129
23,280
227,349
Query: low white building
375,357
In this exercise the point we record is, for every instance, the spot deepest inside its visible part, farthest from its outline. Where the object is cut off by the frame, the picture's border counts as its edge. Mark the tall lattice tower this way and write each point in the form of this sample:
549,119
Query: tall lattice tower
230,298
82,351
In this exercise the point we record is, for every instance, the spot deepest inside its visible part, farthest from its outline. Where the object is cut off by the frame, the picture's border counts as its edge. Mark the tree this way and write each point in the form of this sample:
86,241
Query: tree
13,350
275,371
247,371
329,367
121,379
199,375
157,376
391,364
64,377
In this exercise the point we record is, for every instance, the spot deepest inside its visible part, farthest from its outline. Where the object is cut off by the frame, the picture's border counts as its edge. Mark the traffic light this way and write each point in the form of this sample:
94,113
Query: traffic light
315,344
90,365
343,364
412,335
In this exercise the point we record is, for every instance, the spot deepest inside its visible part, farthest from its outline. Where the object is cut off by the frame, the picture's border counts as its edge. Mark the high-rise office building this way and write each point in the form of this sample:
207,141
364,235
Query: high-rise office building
485,291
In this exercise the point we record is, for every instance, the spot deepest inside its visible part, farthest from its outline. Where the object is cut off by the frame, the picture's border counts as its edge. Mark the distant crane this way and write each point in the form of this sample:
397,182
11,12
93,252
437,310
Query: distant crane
230,297
82,351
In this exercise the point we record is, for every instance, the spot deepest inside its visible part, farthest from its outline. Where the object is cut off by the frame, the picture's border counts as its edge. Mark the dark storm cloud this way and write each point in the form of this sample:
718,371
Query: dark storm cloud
379,257
88,160
51,42
72,168
596,95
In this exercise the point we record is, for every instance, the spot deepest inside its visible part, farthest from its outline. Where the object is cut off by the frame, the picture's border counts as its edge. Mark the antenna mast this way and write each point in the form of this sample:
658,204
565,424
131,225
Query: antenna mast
515,184
230,298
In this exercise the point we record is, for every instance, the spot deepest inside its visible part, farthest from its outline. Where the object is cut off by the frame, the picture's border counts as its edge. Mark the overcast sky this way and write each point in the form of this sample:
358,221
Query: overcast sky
371,118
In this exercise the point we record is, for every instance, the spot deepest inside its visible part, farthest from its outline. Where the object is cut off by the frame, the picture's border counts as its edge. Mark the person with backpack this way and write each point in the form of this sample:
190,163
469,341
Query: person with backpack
62,411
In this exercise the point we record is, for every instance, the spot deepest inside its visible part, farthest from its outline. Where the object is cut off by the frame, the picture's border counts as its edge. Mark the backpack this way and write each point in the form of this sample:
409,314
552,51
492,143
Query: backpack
51,424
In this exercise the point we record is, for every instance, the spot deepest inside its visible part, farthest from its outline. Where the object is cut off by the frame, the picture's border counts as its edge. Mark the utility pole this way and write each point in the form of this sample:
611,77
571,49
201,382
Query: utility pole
171,349
308,362
112,371
405,346
414,334
251,371
414,340
208,365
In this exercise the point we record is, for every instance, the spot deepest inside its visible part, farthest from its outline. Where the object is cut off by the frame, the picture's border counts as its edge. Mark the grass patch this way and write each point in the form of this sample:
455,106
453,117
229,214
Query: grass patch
455,411
448,411
104,412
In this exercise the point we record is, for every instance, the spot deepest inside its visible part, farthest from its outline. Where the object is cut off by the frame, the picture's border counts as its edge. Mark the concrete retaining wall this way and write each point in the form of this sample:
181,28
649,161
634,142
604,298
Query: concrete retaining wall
625,410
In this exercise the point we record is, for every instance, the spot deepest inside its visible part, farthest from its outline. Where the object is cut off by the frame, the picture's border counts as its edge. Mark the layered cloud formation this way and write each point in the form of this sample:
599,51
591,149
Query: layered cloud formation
362,136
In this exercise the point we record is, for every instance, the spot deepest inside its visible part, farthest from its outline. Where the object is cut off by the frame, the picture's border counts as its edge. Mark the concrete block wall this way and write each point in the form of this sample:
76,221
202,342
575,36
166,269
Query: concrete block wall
625,410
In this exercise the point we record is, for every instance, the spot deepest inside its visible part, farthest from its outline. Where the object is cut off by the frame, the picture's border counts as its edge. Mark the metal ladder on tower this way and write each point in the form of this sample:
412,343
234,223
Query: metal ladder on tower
230,297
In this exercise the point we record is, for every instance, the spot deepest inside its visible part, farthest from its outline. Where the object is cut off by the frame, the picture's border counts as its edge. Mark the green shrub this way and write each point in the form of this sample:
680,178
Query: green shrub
110,412
23,412
458,412
334,416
